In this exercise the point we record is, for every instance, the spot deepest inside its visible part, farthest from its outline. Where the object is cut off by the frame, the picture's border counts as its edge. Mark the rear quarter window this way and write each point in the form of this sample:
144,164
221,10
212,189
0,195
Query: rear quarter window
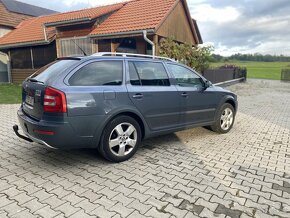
49,72
100,73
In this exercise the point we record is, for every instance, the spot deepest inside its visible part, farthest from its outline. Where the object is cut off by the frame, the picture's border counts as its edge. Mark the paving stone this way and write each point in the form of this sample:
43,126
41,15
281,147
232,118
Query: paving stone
22,214
124,211
102,212
53,201
135,214
207,213
90,195
13,209
67,209
141,207
22,198
105,202
211,206
123,199
33,205
73,199
175,210
195,208
157,203
262,207
81,214
87,206
221,209
4,200
46,212
153,212
108,192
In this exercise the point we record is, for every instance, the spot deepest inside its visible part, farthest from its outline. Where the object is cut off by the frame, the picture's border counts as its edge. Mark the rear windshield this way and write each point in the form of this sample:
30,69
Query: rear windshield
49,72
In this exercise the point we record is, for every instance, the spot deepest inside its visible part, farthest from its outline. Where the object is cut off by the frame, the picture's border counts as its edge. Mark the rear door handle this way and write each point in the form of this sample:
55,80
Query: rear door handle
138,96
184,94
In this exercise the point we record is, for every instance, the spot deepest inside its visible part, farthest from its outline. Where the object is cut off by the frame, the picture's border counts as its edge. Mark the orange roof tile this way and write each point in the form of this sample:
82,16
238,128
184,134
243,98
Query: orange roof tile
136,15
31,30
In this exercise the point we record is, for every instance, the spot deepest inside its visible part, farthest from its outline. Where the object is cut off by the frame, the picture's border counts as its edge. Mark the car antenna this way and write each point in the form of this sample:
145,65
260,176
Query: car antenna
85,54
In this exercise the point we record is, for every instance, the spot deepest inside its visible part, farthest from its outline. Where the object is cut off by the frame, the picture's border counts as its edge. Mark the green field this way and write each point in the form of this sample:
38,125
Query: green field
259,70
10,94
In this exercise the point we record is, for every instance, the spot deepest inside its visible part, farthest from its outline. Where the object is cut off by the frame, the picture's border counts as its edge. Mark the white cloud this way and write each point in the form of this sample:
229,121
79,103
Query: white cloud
206,13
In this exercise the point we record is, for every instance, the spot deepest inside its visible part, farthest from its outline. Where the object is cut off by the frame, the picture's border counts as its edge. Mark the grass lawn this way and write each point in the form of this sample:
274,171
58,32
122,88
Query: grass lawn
260,70
10,94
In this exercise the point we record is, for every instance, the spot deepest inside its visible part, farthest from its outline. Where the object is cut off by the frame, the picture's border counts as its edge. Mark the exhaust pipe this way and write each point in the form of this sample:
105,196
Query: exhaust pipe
16,129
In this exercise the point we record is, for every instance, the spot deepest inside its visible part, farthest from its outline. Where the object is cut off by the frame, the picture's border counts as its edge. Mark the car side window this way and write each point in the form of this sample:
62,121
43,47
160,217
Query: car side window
134,77
100,73
148,74
184,76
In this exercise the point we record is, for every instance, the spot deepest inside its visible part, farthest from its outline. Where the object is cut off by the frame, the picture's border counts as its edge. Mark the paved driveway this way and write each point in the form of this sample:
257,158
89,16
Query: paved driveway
245,173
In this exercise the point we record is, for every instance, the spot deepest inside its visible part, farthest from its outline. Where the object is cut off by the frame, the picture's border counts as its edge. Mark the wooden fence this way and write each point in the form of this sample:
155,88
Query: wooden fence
220,75
285,75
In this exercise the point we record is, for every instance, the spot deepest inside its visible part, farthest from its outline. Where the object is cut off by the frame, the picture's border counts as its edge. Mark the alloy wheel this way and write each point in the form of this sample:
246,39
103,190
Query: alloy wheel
227,119
123,139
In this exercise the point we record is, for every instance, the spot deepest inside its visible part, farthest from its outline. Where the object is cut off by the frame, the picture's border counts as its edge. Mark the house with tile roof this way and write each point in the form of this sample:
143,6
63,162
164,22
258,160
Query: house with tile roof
111,28
12,13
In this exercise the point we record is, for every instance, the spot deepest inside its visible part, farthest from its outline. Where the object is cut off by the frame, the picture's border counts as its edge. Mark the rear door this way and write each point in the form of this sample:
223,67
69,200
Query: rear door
198,105
95,89
150,90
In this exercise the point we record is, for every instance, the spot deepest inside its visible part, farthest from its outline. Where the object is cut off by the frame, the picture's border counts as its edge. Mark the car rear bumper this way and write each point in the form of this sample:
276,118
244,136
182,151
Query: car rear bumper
63,136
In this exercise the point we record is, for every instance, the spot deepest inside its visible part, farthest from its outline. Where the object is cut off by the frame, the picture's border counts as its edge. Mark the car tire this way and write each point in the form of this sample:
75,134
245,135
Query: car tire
120,139
224,120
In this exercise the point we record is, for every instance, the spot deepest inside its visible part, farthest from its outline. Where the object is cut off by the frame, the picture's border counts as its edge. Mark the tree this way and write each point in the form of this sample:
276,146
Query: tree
193,56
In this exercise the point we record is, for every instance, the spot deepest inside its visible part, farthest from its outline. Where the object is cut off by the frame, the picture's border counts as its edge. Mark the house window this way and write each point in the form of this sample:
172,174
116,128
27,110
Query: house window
33,57
74,46
127,45
104,45
21,58
43,55
149,49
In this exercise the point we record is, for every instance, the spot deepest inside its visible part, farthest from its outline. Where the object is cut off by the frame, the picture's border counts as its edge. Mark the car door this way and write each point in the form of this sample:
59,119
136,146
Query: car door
150,90
94,90
197,105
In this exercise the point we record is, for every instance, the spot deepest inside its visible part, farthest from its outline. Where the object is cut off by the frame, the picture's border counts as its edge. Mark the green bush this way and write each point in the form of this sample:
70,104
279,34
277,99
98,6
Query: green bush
193,56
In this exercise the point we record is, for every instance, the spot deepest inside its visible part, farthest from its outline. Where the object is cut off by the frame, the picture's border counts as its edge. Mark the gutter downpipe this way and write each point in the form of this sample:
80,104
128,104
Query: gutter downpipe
9,67
44,32
150,42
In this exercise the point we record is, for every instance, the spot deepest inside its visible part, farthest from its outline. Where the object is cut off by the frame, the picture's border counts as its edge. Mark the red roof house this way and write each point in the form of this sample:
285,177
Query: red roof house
111,28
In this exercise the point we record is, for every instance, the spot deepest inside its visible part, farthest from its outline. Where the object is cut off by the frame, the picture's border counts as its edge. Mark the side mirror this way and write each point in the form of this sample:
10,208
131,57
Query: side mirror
207,84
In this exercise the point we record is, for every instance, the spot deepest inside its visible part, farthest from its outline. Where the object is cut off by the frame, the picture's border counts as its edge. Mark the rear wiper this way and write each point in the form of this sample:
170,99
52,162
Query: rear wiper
34,80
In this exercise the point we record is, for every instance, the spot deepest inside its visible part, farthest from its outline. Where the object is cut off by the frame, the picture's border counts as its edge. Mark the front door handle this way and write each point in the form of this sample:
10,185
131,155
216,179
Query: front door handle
138,96
184,94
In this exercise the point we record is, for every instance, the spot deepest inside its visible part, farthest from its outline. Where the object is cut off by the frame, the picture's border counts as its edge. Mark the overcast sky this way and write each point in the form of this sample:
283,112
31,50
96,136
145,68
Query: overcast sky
244,26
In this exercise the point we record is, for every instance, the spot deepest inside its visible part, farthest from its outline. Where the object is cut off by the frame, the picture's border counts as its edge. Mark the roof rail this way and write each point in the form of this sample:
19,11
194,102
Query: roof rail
101,54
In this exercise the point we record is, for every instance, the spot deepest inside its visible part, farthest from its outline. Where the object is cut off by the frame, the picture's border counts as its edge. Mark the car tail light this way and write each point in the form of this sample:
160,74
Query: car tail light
54,101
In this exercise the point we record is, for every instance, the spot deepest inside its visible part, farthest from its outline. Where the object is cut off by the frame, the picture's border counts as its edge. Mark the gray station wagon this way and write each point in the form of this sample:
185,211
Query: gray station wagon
113,101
